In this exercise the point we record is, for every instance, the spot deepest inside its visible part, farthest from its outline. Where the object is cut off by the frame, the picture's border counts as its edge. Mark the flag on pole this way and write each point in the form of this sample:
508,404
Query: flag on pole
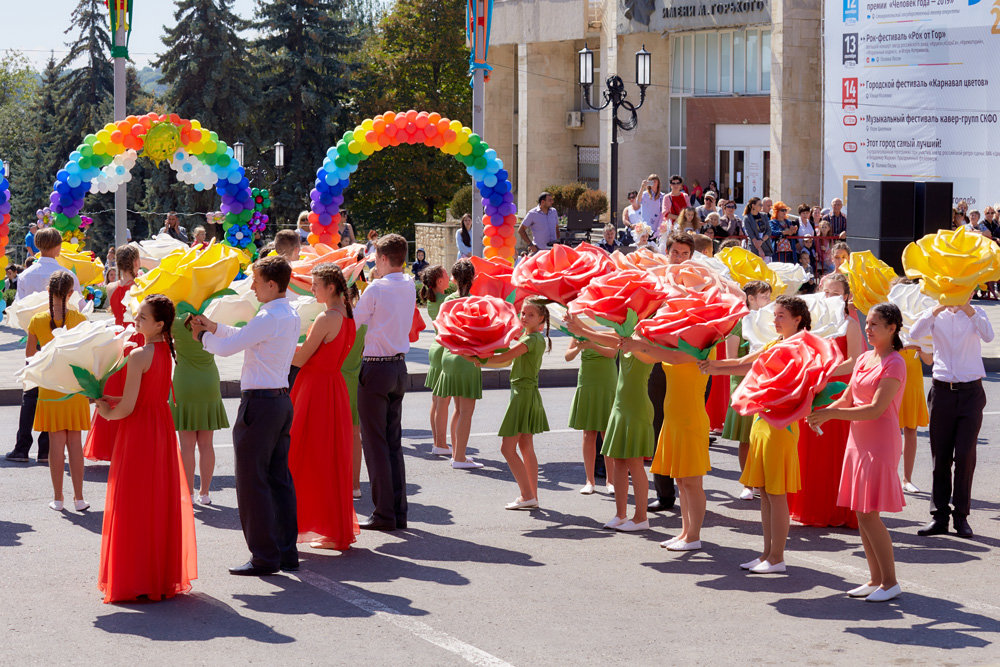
479,15
120,15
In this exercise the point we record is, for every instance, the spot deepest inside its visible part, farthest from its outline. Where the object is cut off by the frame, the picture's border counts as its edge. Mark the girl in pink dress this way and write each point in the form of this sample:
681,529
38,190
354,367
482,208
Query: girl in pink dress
869,483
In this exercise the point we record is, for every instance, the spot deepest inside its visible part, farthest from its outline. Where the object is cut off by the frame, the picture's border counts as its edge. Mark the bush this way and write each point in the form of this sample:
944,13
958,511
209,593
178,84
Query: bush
461,202
593,201
566,196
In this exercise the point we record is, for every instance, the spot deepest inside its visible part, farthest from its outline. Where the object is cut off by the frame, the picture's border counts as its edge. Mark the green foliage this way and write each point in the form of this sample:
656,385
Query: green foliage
461,201
566,196
86,100
592,201
24,131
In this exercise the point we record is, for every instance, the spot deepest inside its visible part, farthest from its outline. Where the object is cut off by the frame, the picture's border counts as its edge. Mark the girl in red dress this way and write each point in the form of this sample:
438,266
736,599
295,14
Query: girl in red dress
821,456
147,542
101,437
321,455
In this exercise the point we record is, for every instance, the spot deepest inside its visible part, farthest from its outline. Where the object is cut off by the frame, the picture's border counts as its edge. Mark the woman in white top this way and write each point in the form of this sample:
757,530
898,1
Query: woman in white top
805,221
463,238
651,201
633,212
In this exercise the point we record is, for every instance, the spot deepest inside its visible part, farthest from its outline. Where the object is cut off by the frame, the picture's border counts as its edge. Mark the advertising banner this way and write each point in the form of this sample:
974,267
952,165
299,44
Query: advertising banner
911,93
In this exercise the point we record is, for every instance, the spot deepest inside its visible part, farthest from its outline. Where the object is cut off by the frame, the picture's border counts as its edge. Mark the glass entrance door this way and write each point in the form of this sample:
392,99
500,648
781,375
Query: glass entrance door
731,174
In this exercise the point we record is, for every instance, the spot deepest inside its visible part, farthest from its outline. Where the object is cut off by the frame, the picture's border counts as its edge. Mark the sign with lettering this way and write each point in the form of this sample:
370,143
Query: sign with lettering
671,15
910,93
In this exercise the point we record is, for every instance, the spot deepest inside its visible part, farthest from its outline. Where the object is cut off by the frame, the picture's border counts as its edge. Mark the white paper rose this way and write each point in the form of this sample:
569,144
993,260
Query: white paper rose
152,251
793,275
827,314
234,309
308,309
19,313
712,263
78,360
912,302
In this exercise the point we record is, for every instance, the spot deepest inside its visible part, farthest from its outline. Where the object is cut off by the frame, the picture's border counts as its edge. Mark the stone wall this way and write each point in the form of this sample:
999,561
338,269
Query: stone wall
438,241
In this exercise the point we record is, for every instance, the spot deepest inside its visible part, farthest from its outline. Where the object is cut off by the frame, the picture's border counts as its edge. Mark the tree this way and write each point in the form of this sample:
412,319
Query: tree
19,131
303,83
416,59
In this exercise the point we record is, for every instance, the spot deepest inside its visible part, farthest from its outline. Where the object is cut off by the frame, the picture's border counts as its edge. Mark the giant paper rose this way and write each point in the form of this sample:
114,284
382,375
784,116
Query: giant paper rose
745,266
912,302
785,379
560,273
87,266
870,279
695,276
827,315
477,326
494,277
693,321
712,263
952,263
308,309
643,259
793,276
234,309
350,259
620,299
20,312
189,278
78,360
152,251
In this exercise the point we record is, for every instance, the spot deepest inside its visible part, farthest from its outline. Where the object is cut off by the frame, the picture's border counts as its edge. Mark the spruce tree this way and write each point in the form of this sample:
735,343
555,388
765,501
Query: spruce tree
303,82
87,93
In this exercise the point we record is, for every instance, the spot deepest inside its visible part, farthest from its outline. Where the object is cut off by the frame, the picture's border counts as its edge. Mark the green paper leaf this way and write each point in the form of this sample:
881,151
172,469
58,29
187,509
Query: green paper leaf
572,335
631,320
615,326
826,397
512,297
688,348
299,290
90,386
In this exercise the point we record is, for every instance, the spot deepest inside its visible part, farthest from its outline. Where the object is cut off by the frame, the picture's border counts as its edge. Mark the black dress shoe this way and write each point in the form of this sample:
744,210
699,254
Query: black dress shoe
935,527
661,505
248,569
290,567
962,526
401,524
17,457
376,524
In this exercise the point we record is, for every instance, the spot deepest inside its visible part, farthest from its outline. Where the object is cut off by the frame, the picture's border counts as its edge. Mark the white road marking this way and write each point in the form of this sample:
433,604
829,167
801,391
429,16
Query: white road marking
417,628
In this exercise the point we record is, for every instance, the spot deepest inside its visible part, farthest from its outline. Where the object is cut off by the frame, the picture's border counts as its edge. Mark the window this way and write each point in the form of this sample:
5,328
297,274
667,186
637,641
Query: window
588,166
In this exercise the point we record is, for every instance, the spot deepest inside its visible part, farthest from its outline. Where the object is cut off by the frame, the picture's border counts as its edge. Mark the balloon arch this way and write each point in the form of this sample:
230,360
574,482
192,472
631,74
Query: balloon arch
104,161
412,127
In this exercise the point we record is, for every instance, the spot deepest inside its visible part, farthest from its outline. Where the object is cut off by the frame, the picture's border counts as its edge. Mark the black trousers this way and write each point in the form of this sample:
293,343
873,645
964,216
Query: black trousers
662,484
29,401
264,490
956,417
381,386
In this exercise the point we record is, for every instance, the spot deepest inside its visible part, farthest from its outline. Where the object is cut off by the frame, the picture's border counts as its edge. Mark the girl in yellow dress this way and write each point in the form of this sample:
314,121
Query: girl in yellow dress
62,419
773,460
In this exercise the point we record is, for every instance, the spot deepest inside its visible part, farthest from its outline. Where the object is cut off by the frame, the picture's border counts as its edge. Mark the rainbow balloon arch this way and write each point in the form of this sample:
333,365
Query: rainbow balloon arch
103,162
413,127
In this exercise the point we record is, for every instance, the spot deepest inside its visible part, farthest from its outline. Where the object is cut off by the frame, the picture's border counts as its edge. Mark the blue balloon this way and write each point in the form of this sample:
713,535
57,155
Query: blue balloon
199,186
490,180
75,156
496,199
73,168
73,181
490,154
502,175
496,220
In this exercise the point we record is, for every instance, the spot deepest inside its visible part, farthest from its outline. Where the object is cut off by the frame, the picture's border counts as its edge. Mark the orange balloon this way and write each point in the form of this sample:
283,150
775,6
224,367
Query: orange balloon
411,116
383,140
371,137
378,125
421,119
496,241
389,117
400,121
434,118
505,231
312,239
449,135
124,126
509,241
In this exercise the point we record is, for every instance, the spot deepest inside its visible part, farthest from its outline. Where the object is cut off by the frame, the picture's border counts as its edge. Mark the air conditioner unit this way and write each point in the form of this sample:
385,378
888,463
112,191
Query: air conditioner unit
574,120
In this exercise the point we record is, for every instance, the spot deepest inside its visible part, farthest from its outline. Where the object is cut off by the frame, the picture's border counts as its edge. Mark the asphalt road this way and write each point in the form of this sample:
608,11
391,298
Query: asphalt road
470,582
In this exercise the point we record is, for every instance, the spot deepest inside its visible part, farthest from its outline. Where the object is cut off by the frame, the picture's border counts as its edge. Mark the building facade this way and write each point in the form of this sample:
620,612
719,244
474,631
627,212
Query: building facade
736,94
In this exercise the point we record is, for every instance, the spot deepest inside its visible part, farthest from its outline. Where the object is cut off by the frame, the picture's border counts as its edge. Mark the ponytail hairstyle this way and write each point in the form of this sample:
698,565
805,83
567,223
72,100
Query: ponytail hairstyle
890,314
127,260
429,277
539,304
330,274
841,279
755,287
463,271
796,307
353,294
163,312
60,287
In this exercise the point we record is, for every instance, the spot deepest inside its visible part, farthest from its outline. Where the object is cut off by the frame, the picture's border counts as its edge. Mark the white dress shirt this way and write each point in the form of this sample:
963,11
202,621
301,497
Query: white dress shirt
386,306
269,340
35,278
958,338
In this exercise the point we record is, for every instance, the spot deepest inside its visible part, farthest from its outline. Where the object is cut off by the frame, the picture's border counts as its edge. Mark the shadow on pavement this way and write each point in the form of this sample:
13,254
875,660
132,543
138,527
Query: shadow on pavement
186,618
92,521
297,597
421,545
361,565
10,533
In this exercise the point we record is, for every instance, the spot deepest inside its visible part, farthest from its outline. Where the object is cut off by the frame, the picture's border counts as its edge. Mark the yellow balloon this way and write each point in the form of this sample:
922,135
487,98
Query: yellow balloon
368,124
952,263
745,266
465,149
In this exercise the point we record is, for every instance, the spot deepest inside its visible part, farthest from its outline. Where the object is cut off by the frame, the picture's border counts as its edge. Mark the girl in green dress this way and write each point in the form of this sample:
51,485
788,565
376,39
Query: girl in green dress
434,282
459,379
197,407
591,408
351,370
525,414
737,427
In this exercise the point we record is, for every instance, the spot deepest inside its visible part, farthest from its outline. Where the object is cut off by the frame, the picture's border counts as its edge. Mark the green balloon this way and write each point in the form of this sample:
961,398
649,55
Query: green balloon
480,163
474,139
223,160
255,191
264,193
90,139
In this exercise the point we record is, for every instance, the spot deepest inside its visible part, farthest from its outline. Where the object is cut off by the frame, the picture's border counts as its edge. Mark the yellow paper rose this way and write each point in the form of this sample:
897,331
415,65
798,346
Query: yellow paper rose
951,263
745,266
88,268
870,279
189,277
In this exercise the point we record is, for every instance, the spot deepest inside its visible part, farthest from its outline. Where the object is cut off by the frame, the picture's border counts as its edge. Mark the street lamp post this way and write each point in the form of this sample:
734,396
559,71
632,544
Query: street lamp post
258,168
615,96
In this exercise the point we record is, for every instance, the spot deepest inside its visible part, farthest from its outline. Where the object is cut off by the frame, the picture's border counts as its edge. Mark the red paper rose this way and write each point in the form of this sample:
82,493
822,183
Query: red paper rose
477,326
613,295
786,378
560,273
693,321
493,278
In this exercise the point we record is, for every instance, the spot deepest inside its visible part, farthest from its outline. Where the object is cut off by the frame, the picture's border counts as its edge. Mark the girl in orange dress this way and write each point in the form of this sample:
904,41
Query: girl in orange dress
63,418
147,542
321,454
101,437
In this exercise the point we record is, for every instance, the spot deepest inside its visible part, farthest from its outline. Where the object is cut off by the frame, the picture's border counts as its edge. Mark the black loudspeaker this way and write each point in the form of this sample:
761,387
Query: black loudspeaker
933,207
889,250
880,209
